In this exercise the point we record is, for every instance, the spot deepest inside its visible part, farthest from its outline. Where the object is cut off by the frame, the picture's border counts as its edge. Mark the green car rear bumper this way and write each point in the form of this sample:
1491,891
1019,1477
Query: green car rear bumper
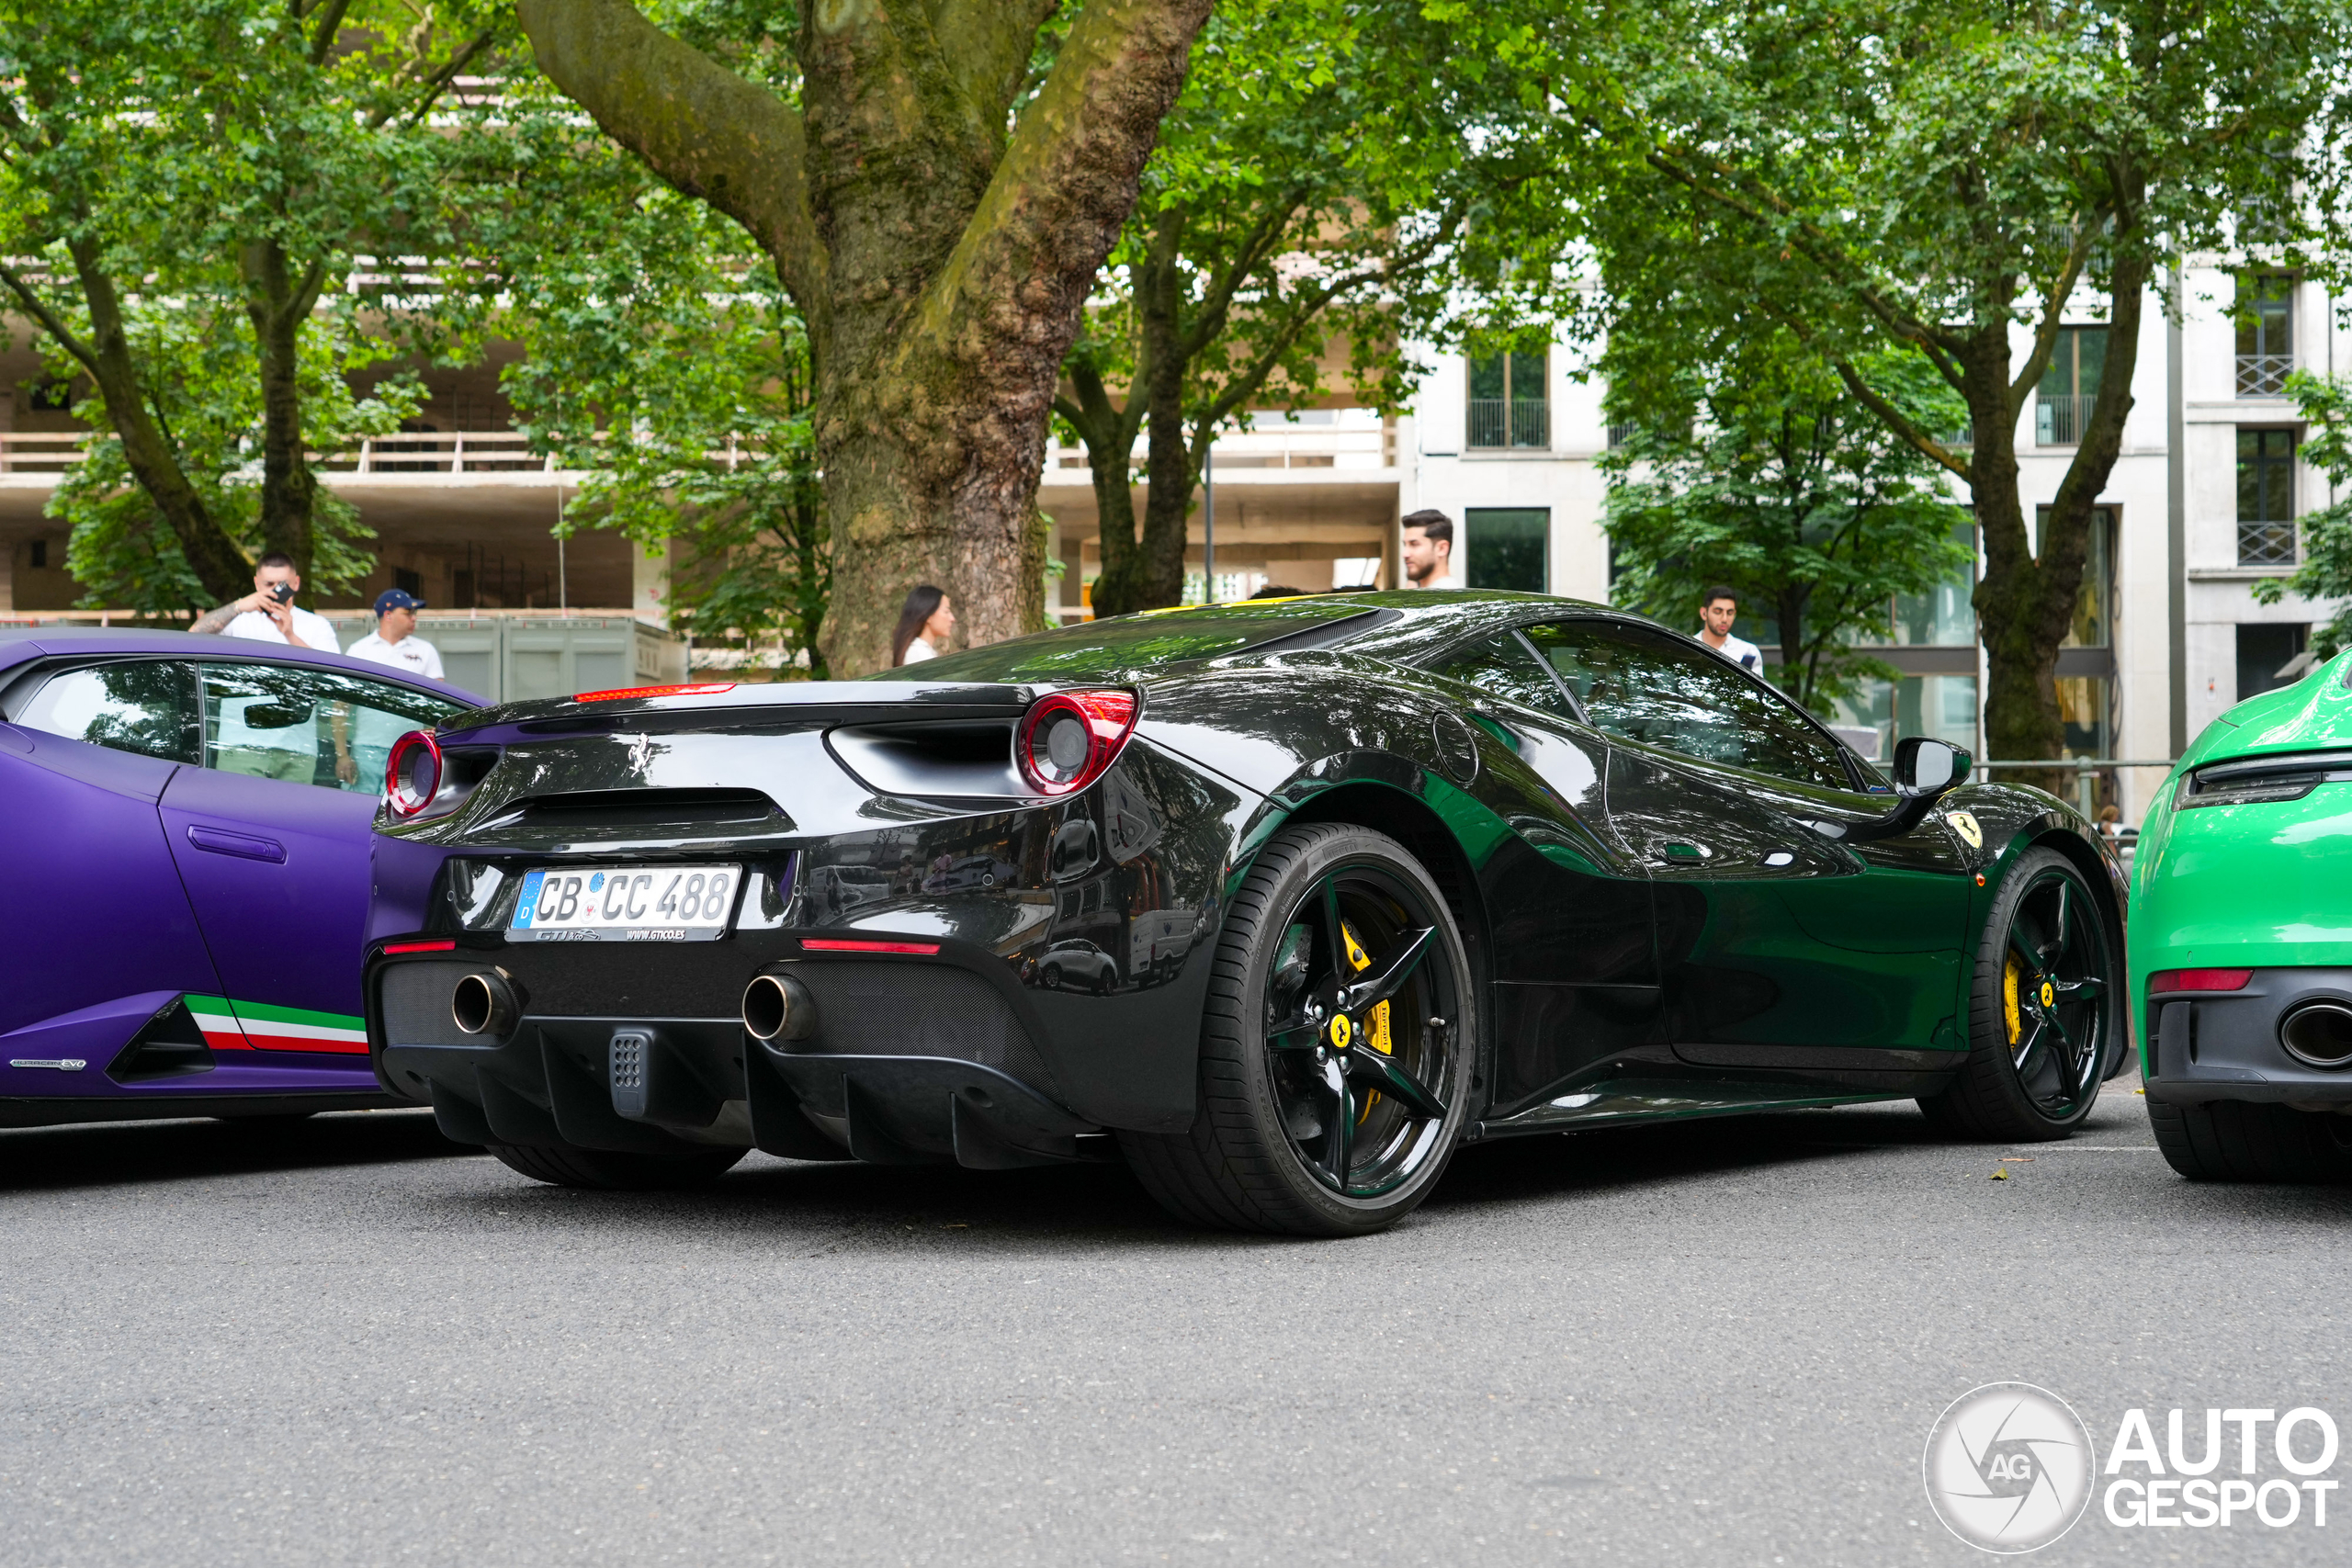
2250,886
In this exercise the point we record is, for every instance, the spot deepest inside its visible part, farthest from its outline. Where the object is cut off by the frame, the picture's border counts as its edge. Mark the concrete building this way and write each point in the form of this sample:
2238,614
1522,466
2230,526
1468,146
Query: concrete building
2202,504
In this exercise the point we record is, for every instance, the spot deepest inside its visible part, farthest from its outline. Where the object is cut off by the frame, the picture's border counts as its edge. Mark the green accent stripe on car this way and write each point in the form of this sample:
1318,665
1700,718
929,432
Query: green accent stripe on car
267,1013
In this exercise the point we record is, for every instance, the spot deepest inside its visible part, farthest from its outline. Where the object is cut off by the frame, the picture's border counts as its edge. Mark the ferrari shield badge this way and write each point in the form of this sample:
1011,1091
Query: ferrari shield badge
1342,1032
1965,825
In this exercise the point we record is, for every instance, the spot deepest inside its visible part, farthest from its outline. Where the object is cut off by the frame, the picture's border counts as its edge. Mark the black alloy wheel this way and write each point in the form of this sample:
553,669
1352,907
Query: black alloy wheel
2045,1009
613,1171
1336,1046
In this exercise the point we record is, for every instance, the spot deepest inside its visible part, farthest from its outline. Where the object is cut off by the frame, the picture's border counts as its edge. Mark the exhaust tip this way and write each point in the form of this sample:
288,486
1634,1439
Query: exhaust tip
2318,1034
778,1007
484,1003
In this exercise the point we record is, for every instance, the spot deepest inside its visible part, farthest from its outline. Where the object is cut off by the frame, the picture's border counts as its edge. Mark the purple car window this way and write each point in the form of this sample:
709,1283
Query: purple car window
310,726
144,706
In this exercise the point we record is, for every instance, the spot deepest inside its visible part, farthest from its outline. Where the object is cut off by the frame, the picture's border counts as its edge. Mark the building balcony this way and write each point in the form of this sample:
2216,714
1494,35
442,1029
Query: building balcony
2264,375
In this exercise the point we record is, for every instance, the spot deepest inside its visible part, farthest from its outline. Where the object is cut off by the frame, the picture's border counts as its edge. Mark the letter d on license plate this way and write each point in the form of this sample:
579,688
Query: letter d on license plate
622,903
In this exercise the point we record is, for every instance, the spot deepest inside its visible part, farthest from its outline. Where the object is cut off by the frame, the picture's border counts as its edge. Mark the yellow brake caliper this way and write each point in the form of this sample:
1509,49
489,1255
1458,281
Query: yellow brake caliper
1375,1031
2010,970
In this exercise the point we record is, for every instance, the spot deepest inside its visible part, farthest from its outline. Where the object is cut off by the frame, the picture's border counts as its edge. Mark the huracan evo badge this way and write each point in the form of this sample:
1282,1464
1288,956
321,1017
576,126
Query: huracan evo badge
1965,825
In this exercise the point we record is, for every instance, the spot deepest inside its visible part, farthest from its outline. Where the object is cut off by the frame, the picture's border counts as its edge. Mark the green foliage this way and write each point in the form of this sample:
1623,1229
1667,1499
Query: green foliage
2326,405
674,372
1760,470
192,203
1898,181
1340,179
205,385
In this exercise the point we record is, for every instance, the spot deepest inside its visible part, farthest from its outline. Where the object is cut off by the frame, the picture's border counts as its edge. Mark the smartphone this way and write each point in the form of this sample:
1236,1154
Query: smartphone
281,591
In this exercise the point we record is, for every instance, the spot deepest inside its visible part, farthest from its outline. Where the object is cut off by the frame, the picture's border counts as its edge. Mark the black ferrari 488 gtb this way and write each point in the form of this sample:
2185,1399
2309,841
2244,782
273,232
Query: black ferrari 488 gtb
1280,902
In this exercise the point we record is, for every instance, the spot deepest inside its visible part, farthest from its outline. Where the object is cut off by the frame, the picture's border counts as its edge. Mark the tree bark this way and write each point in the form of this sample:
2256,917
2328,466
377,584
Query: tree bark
278,305
942,263
2025,604
147,448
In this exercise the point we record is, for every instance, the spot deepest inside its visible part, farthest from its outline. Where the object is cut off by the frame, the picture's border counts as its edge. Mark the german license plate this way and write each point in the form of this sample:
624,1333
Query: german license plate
667,903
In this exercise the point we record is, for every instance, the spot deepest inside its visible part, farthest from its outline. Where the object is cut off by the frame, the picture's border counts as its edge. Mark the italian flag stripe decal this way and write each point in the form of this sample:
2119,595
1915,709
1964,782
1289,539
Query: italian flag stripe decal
246,1026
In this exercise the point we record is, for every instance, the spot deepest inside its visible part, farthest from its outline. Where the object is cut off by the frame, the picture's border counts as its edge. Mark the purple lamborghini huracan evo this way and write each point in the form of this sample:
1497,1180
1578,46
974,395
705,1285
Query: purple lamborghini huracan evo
186,825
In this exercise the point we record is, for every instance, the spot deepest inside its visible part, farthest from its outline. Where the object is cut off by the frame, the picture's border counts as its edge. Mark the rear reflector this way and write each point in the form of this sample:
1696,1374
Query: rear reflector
420,947
623,694
830,944
2199,980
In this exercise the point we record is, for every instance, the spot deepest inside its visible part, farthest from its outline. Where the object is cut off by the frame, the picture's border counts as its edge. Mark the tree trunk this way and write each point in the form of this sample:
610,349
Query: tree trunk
146,449
942,264
278,306
1169,464
2025,605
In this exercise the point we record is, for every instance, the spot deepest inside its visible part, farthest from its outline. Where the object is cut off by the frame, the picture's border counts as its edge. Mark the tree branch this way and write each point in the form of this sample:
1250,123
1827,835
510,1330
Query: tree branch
2053,309
323,38
1816,247
1067,178
1898,422
699,126
50,323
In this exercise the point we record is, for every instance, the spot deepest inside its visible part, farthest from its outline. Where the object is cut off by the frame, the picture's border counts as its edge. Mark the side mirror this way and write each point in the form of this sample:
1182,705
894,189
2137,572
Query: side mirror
1929,767
1925,771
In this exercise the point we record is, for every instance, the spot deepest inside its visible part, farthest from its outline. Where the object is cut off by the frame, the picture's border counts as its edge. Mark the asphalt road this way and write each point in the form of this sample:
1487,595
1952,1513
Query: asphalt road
1720,1342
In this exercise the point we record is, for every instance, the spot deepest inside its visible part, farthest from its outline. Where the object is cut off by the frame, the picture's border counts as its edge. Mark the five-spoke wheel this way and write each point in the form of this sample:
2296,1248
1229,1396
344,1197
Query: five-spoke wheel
1336,1048
2045,1008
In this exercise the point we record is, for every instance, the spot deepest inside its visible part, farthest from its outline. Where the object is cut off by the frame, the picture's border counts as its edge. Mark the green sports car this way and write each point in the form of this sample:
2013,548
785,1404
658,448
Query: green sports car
2241,950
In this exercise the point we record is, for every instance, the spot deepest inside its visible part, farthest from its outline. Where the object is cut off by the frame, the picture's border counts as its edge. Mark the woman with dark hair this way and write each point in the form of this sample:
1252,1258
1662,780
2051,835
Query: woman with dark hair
924,626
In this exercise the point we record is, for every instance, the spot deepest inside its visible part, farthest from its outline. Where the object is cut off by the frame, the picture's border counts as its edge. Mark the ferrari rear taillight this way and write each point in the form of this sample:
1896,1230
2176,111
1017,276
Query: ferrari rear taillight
1069,739
412,773
2169,980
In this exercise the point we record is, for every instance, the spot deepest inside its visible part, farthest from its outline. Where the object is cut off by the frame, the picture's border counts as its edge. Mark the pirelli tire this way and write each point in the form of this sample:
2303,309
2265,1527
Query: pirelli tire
1328,1106
613,1171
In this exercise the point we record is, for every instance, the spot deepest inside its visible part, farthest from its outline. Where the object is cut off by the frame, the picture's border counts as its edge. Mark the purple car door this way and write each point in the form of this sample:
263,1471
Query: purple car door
102,935
272,838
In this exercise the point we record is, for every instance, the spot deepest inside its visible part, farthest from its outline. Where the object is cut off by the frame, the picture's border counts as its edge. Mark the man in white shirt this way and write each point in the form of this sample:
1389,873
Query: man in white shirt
268,613
1429,550
394,642
395,645
1716,612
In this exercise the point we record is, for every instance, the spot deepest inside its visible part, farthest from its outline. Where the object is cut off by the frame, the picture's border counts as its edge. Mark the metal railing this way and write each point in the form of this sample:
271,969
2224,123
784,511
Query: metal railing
2265,544
410,452
2264,375
1511,422
39,451
2057,422
1275,445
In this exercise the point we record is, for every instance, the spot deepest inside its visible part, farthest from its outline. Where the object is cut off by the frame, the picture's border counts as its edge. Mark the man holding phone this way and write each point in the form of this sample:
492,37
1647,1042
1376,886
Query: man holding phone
268,613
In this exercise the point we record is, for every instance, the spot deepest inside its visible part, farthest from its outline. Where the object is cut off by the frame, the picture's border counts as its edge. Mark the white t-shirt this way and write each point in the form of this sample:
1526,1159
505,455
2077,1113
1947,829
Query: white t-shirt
412,653
1440,582
309,630
1740,652
919,650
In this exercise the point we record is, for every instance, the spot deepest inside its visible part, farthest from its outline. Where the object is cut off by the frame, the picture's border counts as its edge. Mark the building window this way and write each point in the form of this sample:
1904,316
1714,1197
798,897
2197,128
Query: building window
1509,404
1506,547
2268,657
2266,315
2266,498
2063,401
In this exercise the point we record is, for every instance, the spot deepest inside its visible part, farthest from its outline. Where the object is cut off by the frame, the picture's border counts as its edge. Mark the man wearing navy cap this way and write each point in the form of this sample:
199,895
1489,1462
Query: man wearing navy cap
394,642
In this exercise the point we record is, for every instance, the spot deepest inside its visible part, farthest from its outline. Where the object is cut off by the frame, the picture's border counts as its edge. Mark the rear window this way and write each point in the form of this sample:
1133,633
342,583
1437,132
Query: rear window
1127,646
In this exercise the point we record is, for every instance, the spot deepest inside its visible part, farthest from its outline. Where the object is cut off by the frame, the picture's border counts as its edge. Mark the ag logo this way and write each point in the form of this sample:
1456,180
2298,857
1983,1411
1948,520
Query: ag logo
2009,1467
1965,825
